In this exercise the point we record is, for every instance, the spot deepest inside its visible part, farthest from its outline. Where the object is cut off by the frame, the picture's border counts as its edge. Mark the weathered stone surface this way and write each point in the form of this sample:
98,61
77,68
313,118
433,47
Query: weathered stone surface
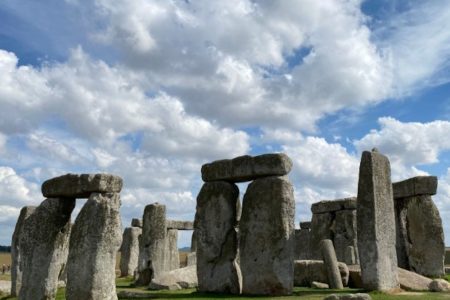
301,248
345,233
267,237
194,242
16,257
305,225
191,259
357,296
439,285
180,225
307,271
182,278
354,278
247,168
420,185
319,285
411,281
173,258
129,251
447,270
216,238
136,222
376,223
43,244
420,236
81,186
333,205
96,237
132,295
331,264
321,225
350,257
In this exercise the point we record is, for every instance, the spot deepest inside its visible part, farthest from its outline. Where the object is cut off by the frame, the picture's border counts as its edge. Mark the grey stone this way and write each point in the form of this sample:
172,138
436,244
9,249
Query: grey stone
182,278
420,236
305,225
307,271
194,242
43,243
180,225
136,222
173,258
16,257
191,259
81,186
247,168
133,295
345,233
333,205
319,285
376,223
216,238
415,186
447,270
357,296
350,257
301,248
96,237
331,264
439,285
267,237
321,225
129,251
411,281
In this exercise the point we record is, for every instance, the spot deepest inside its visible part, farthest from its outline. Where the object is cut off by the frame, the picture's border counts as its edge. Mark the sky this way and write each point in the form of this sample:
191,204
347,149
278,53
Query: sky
152,89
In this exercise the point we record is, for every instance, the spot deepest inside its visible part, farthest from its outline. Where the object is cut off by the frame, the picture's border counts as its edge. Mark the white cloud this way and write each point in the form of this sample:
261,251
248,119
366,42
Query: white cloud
16,191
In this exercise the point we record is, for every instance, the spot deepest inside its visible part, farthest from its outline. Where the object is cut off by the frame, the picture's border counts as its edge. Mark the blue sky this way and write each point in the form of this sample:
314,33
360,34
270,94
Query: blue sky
151,90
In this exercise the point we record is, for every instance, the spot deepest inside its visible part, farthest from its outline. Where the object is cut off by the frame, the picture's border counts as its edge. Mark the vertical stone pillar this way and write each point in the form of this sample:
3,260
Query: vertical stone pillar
216,238
267,237
129,251
376,223
96,237
16,257
173,257
331,264
43,245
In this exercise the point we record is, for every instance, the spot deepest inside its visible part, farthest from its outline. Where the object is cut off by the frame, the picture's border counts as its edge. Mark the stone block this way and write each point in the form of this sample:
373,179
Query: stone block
129,251
305,225
308,271
415,186
326,206
180,225
136,222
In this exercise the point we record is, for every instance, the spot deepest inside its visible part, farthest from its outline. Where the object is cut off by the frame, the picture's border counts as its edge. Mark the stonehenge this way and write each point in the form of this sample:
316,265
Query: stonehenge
331,264
129,251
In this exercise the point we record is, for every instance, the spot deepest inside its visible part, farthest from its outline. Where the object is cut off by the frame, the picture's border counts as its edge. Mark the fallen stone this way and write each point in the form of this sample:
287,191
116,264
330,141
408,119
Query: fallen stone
357,296
419,185
180,225
301,248
331,264
376,221
16,257
81,186
439,285
216,238
266,232
307,271
319,285
133,295
247,168
305,225
43,243
333,205
136,222
185,278
96,237
129,251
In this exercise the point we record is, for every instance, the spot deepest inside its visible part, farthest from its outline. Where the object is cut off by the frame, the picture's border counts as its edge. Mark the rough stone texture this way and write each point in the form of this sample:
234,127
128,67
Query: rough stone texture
173,258
301,248
136,222
357,296
415,186
439,285
321,225
319,285
350,257
180,225
43,243
96,237
376,223
420,236
333,205
216,238
182,278
447,270
305,225
331,264
16,257
345,233
81,186
267,237
194,242
247,168
129,251
307,271
191,259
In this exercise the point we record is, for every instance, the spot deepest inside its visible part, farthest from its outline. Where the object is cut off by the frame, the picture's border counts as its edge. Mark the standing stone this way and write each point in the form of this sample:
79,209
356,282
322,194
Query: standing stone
267,237
172,250
301,248
191,259
321,225
96,237
350,257
136,222
376,223
16,257
216,238
43,245
129,251
345,233
331,264
194,242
